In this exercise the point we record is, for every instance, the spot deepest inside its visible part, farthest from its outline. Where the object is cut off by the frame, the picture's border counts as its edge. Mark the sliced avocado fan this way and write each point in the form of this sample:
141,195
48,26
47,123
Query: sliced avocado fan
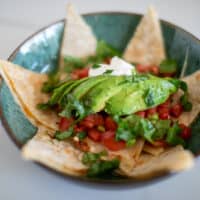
116,95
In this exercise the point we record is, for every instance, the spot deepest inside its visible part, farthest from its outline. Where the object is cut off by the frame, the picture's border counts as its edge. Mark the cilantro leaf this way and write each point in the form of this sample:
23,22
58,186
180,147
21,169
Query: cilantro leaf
173,137
51,83
81,135
64,135
43,106
71,63
187,106
73,108
96,165
108,71
104,50
89,158
168,66
95,66
102,167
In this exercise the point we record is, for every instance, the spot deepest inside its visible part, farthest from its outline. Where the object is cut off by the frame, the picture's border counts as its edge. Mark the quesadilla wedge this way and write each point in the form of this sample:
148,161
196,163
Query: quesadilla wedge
25,86
60,156
171,160
146,47
193,82
78,39
63,157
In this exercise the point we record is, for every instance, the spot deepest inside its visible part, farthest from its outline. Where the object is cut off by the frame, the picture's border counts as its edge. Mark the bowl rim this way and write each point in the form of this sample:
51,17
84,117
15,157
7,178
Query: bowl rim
126,182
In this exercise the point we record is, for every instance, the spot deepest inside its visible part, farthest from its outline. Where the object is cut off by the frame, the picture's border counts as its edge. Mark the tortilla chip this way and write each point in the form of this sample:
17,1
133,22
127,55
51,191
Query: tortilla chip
193,82
187,118
155,151
174,159
146,46
58,155
25,86
78,39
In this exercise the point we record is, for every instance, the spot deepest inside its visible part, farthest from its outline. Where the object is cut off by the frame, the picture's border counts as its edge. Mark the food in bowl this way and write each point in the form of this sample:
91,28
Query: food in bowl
106,111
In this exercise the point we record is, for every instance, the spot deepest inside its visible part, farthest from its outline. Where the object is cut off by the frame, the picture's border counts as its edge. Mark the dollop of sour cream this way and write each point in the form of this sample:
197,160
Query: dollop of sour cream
117,67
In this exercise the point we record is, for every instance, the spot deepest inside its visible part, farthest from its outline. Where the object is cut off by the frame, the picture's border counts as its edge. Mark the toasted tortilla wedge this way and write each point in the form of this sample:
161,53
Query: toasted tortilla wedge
193,82
146,46
58,155
172,160
25,86
63,157
155,151
78,39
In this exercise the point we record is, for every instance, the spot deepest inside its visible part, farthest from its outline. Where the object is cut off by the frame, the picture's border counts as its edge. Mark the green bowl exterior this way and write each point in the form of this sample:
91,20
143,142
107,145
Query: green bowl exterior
40,53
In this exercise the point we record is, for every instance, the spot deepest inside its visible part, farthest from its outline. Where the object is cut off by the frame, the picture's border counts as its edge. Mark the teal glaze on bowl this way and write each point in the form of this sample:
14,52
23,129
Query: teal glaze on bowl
40,53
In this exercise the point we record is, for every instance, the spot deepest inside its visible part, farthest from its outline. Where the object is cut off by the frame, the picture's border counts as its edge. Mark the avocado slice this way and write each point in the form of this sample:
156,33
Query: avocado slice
58,92
70,88
140,96
84,87
96,98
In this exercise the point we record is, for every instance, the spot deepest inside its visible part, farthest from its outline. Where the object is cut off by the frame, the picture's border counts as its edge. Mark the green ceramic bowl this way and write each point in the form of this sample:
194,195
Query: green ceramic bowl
40,53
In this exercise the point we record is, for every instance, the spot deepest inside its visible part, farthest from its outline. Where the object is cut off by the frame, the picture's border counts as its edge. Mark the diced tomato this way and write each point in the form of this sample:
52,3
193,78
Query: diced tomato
65,123
176,110
92,121
142,68
160,143
151,111
87,123
95,135
80,73
110,124
154,70
166,104
141,114
167,74
107,60
108,140
98,120
164,113
186,132
78,129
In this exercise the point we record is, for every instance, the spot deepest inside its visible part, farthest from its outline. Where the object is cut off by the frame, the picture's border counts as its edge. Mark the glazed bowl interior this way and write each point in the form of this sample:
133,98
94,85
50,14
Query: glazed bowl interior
40,53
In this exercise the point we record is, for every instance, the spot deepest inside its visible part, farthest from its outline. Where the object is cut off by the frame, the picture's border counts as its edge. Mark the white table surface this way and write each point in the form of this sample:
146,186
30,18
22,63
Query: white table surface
25,180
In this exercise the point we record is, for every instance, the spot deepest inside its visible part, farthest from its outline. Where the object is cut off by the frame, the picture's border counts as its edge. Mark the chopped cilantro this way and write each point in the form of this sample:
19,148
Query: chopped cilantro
72,63
43,106
96,165
187,106
173,135
183,86
64,135
102,167
95,66
74,108
168,66
81,135
51,83
89,157
108,71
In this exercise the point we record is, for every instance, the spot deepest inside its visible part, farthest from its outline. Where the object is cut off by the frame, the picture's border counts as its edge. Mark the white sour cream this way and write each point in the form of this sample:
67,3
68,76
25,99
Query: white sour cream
117,67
